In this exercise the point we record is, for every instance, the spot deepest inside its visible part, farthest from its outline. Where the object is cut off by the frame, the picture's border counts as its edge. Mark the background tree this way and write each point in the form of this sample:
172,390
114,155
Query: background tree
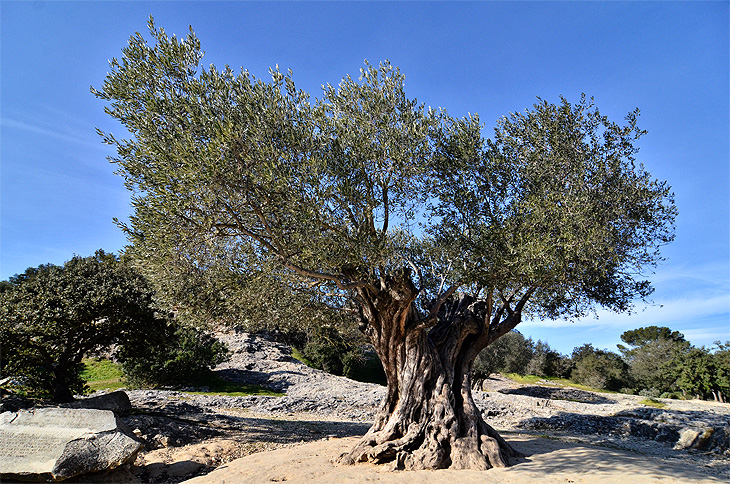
704,373
721,357
599,368
51,317
696,373
654,355
545,361
324,198
509,354
177,354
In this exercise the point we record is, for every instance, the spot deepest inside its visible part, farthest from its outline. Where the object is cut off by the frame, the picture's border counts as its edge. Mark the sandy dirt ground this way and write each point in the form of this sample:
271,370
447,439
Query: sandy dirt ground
547,461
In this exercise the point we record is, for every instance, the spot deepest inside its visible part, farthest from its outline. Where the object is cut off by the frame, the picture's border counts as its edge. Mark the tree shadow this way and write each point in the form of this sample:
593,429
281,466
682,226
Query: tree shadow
644,423
570,394
260,378
578,461
604,425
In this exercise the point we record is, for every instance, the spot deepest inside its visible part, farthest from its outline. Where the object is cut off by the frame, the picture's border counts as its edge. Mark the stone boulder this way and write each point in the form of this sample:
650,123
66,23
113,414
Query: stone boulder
117,402
58,443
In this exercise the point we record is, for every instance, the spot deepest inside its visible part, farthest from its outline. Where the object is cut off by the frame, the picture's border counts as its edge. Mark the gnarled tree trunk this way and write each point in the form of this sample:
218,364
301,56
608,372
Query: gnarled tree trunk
429,419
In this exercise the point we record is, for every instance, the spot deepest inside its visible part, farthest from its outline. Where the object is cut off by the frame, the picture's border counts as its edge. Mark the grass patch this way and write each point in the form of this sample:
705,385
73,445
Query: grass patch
650,402
218,386
299,356
102,374
527,379
554,381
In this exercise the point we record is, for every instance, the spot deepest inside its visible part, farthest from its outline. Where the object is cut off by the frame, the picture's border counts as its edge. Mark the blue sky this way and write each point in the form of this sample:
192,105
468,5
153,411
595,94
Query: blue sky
670,59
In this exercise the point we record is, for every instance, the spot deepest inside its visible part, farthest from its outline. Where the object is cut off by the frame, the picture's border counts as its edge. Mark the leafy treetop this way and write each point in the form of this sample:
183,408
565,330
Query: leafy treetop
248,193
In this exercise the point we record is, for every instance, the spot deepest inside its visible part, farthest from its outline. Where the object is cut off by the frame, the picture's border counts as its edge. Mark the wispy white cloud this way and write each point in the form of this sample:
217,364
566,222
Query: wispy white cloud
710,272
687,294
703,335
664,313
63,135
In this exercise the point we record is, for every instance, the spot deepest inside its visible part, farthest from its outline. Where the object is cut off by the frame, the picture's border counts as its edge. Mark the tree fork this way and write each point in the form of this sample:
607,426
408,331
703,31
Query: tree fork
429,419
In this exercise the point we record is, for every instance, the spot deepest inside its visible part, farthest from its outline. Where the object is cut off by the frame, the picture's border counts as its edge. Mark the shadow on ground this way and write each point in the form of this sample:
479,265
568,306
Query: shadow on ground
545,456
571,394
273,380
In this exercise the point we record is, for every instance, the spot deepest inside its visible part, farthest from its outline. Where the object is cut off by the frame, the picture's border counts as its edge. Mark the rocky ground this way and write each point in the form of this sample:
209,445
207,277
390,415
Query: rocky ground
187,435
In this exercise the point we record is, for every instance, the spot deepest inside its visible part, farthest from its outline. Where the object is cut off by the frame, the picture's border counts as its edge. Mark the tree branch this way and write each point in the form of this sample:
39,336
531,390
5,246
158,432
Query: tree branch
514,315
433,311
337,279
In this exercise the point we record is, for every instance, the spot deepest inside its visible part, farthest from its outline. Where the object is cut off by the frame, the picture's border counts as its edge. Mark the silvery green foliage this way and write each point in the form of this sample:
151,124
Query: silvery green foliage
253,202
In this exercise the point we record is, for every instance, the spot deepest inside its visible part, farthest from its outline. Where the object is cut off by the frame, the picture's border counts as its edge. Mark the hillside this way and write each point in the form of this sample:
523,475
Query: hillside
189,434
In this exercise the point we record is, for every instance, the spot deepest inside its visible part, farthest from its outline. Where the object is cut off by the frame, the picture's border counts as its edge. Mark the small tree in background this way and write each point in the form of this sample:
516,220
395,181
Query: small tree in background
653,355
721,356
509,354
545,361
704,373
51,317
599,368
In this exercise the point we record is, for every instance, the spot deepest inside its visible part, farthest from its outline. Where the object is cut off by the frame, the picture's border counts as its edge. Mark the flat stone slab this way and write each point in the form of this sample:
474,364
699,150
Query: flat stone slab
117,402
58,443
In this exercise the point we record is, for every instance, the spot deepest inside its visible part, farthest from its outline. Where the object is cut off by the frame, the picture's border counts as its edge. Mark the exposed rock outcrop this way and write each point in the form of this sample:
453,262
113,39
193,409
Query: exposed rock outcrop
59,443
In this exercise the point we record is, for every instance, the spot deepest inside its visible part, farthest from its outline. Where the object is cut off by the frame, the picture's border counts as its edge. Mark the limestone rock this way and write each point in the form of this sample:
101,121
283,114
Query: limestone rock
117,402
694,438
58,443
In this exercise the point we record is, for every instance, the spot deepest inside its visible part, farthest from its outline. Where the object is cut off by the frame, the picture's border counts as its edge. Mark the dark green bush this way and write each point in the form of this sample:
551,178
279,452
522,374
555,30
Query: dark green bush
52,317
326,348
173,355
365,366
599,368
342,354
509,354
649,392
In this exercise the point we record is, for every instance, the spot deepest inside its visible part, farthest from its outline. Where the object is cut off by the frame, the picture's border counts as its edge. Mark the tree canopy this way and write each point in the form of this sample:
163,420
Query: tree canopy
232,172
403,219
654,354
51,317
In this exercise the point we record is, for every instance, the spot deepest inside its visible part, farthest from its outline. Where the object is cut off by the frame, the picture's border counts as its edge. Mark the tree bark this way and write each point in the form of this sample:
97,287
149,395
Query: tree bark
61,391
429,419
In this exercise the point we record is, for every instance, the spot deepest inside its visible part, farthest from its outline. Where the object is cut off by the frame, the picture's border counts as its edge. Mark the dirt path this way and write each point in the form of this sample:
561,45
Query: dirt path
549,461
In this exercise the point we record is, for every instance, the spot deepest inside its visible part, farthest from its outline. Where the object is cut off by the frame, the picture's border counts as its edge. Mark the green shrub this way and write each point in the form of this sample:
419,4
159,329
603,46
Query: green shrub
341,354
599,368
649,392
326,349
51,317
178,355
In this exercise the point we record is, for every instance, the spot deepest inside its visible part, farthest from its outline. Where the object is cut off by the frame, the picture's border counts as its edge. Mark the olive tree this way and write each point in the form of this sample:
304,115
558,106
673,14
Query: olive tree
401,219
